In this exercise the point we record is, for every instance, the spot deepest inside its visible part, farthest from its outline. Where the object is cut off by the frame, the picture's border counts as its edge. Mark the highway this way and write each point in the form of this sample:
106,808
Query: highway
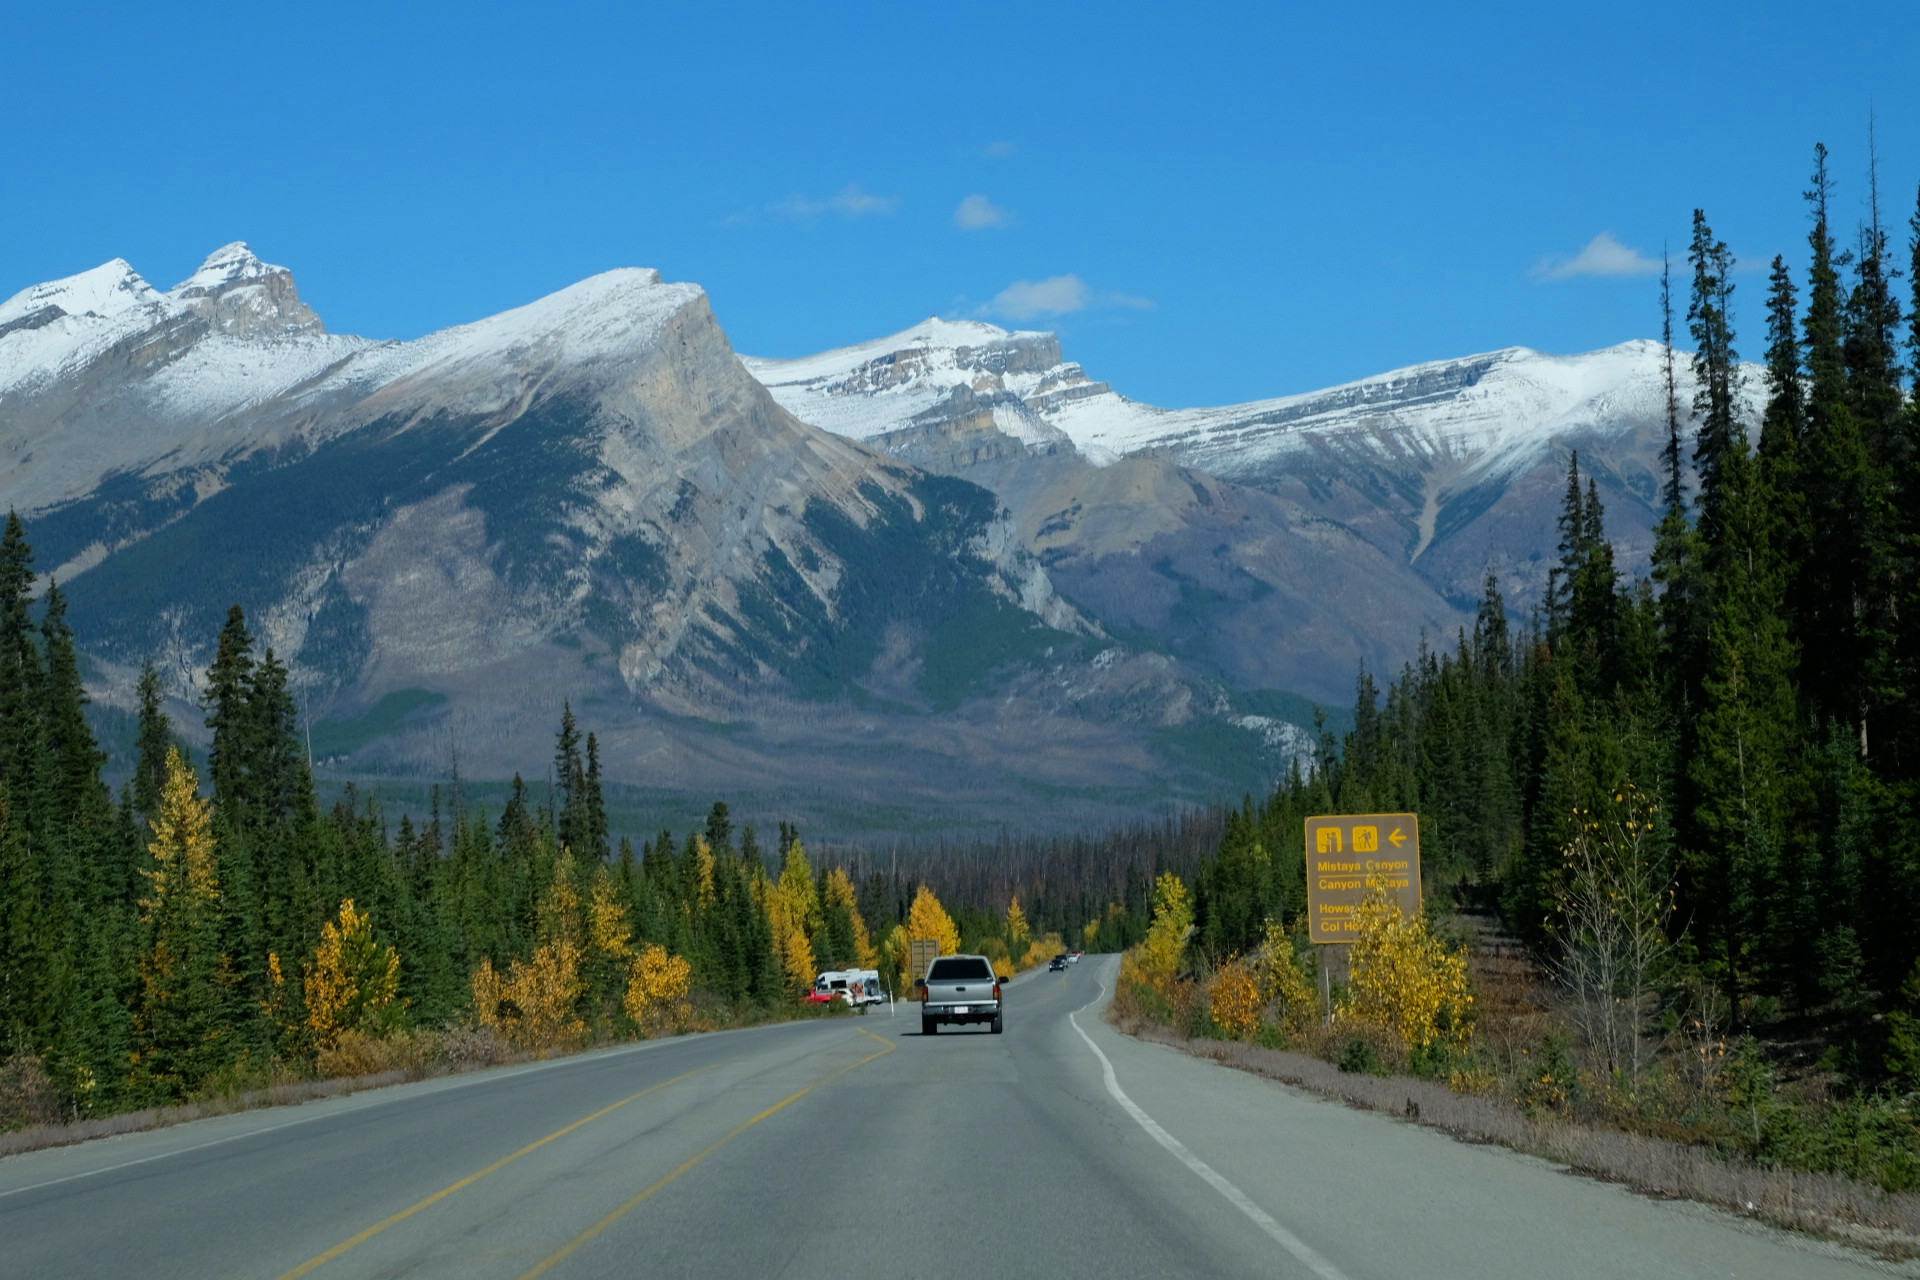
850,1147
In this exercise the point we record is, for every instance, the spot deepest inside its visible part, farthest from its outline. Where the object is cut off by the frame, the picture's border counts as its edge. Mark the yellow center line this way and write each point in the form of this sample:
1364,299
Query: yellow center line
573,1246
374,1230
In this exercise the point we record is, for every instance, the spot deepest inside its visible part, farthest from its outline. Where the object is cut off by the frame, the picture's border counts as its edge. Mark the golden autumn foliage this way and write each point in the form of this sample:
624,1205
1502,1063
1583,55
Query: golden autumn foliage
841,893
1166,940
184,873
657,990
609,933
533,1005
536,1004
794,911
1403,978
352,981
926,918
1234,997
1288,995
1019,932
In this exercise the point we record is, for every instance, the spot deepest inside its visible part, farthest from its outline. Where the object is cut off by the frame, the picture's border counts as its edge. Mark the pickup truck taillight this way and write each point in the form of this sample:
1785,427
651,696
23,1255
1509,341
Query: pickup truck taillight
996,990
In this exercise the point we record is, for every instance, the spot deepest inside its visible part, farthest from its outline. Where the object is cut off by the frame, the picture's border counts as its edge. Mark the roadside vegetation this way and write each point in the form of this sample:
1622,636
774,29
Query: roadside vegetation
1668,824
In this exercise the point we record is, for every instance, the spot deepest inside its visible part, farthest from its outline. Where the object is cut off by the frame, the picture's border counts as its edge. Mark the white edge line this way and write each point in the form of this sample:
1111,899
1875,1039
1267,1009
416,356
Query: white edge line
1293,1244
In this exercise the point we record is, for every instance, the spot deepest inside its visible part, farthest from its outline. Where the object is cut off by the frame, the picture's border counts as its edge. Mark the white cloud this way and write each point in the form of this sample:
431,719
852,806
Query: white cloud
1000,149
851,201
1057,296
1603,256
976,213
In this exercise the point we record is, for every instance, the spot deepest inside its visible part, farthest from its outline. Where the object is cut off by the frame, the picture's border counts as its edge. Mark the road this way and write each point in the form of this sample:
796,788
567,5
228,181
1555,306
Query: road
850,1147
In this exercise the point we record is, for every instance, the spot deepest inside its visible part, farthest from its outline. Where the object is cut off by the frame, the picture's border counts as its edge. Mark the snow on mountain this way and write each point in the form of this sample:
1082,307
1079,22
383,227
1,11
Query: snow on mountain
52,326
1493,413
605,318
934,369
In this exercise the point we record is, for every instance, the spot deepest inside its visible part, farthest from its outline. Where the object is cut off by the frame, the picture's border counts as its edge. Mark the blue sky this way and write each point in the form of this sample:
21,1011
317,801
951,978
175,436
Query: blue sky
1210,202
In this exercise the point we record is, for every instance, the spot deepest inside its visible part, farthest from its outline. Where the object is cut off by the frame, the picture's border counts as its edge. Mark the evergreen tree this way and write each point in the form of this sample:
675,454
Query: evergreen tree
570,771
154,737
1716,369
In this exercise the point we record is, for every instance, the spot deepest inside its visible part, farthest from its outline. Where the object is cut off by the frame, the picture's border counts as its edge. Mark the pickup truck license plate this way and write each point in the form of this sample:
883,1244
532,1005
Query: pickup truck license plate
962,1008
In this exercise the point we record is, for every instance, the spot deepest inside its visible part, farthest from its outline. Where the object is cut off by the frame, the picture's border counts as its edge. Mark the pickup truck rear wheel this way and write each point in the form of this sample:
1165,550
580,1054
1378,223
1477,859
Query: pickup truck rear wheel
928,1026
996,1023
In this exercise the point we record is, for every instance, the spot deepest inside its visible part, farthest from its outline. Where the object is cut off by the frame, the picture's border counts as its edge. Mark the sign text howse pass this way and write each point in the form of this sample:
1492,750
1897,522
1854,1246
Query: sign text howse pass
1347,851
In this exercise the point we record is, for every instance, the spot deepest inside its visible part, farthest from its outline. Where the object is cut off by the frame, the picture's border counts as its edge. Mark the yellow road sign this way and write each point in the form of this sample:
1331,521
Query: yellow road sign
1348,852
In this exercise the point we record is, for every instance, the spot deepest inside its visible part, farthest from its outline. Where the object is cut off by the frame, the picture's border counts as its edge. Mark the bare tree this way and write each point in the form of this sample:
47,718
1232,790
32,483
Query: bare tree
1613,910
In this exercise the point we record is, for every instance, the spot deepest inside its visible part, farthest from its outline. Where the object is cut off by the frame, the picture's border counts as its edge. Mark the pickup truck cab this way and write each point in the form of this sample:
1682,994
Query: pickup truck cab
959,989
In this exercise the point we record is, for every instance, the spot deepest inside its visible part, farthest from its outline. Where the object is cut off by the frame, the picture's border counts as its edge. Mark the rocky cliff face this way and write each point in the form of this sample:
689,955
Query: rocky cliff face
585,498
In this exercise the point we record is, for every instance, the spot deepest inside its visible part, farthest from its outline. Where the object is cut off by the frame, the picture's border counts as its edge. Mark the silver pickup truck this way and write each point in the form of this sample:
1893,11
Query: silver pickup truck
959,989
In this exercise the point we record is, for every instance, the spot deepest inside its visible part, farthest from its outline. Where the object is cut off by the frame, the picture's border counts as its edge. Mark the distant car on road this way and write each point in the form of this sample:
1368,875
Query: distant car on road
1058,966
1073,958
959,989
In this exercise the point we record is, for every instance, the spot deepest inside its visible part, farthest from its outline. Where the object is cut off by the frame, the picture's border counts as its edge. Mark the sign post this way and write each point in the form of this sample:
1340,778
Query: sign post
921,952
1344,852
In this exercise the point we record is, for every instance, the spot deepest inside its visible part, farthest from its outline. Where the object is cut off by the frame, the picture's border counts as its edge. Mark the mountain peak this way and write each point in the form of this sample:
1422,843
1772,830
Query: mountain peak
244,296
106,290
229,264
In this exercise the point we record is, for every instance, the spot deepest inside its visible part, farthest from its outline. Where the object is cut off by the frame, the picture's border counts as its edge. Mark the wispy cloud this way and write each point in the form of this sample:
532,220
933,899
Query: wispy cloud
1603,256
1058,296
1000,150
850,201
977,213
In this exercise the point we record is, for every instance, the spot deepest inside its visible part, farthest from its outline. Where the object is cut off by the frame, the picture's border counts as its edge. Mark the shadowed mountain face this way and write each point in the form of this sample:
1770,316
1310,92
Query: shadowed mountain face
590,498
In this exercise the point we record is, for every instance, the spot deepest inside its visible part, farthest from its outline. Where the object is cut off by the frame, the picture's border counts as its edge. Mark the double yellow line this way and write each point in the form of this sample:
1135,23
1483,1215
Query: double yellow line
572,1246
314,1263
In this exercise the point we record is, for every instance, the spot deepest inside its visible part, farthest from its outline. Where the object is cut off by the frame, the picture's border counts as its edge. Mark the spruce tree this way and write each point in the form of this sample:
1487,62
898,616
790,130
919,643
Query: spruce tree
155,735
1715,371
1836,584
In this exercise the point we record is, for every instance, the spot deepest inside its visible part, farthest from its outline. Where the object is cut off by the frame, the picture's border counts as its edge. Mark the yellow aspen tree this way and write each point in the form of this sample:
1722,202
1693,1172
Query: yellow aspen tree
702,854
1166,939
487,995
841,893
1284,985
797,919
1019,932
535,1004
1403,978
352,981
894,958
926,918
183,869
609,938
182,1023
657,989
1234,998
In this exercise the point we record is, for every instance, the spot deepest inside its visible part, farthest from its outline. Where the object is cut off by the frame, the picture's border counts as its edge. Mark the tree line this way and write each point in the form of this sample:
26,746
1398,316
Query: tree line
1747,714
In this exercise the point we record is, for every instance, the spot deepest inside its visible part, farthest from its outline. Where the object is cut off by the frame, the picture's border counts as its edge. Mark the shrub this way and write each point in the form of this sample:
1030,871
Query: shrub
1359,1056
1404,978
1234,999
27,1096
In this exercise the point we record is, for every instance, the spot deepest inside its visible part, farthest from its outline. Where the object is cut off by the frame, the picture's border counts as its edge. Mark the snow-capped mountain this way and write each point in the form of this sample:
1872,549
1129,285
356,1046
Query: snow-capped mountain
587,497
1452,466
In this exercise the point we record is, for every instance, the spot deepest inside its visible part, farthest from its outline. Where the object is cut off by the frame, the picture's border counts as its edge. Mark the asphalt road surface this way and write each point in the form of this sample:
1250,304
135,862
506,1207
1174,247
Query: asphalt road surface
850,1147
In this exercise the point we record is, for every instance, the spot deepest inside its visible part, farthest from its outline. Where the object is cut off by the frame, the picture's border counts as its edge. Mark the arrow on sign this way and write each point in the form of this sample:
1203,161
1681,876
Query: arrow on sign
1398,837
